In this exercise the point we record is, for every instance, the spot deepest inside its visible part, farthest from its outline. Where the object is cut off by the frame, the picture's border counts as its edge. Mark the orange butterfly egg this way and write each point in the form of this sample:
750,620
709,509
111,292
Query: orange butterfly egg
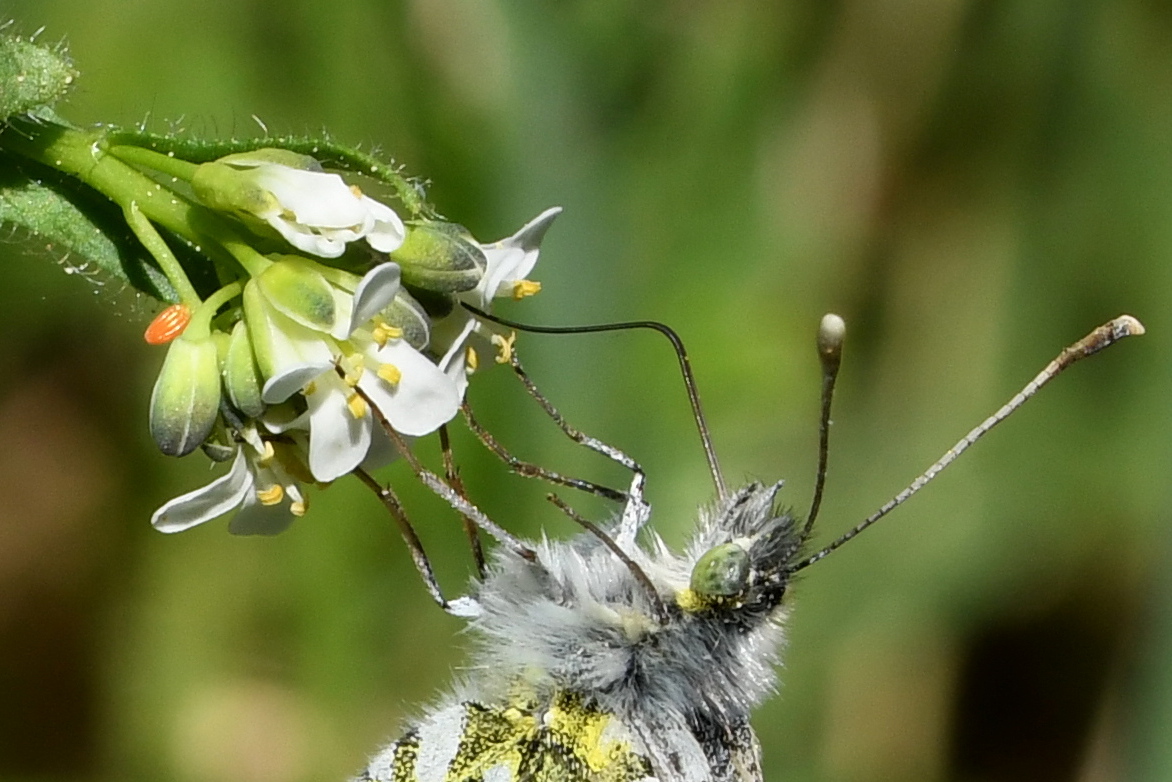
168,324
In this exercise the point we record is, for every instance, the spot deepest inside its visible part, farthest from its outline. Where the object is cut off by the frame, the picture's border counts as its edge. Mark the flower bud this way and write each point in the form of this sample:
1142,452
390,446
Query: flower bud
241,377
440,257
299,292
186,400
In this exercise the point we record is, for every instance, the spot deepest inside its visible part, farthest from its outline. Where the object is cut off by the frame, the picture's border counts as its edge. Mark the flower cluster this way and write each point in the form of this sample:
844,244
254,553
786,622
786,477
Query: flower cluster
330,305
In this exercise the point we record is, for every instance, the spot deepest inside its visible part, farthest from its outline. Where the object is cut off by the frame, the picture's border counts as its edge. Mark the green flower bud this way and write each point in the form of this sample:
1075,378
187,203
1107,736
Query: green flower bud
299,292
186,399
241,376
440,257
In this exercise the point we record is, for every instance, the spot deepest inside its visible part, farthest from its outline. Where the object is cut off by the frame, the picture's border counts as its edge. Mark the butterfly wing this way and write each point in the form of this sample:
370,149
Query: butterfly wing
472,742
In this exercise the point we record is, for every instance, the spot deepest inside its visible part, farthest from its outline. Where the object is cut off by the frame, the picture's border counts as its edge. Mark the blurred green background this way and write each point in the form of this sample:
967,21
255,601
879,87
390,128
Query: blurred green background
972,184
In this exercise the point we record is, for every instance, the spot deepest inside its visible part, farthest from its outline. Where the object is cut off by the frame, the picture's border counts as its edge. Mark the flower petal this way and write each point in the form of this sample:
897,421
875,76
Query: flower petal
388,231
511,259
454,363
256,518
208,502
292,379
315,198
376,291
424,398
338,441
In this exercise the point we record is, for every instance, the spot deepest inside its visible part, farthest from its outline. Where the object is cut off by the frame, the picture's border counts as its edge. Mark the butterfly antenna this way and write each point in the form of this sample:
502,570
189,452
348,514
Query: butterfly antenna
1102,337
831,333
681,355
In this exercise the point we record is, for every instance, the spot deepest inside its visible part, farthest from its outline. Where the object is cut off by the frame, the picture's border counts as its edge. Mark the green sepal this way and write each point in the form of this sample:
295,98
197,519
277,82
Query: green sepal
224,188
406,314
440,257
241,376
299,292
31,76
186,400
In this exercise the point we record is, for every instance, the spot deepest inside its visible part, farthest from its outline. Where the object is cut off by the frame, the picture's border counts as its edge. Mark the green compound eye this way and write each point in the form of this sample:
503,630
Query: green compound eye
723,571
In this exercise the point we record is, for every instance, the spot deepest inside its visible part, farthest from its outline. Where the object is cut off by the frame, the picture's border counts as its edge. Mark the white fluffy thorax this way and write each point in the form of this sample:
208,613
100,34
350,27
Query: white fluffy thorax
576,618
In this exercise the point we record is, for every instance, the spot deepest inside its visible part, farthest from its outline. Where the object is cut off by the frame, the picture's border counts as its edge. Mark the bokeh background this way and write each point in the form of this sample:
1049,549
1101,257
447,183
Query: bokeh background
972,184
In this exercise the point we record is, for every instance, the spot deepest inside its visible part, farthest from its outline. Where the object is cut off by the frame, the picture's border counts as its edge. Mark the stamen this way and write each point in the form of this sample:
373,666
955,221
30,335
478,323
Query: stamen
356,190
310,387
384,331
390,373
357,405
299,508
504,347
473,359
523,288
272,495
355,366
267,456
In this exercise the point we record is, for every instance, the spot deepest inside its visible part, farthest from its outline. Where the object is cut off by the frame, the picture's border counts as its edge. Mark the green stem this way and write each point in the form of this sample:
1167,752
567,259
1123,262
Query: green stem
157,247
83,154
200,326
167,164
253,262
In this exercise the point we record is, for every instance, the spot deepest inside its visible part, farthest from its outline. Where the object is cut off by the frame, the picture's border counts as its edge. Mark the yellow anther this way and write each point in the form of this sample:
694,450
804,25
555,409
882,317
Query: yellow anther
267,455
299,508
523,288
272,495
310,387
357,405
354,375
385,331
473,359
356,190
504,347
390,373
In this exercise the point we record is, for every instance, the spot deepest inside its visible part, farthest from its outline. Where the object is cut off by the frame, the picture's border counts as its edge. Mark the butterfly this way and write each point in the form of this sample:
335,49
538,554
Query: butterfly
610,658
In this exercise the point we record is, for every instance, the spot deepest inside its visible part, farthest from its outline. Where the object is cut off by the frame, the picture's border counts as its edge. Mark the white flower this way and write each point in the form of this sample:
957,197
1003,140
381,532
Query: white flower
300,351
411,393
315,211
509,261
259,486
319,213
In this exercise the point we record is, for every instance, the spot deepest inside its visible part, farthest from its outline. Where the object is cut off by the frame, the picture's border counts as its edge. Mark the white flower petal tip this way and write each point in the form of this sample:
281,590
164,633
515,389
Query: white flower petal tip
292,379
388,232
208,502
377,290
531,234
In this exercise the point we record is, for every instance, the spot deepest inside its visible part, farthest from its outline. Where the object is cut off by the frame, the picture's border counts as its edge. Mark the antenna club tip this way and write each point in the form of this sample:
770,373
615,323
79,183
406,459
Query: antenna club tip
831,333
1128,326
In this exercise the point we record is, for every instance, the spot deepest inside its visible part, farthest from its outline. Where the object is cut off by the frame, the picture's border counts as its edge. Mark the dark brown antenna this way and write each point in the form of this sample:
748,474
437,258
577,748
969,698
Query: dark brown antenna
1102,337
681,355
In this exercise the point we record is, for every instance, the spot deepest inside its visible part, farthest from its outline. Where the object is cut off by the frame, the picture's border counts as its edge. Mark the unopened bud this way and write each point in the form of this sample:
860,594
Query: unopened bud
440,257
186,399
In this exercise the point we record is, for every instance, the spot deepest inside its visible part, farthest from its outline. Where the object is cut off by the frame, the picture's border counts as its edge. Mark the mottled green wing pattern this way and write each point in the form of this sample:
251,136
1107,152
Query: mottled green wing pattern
470,742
